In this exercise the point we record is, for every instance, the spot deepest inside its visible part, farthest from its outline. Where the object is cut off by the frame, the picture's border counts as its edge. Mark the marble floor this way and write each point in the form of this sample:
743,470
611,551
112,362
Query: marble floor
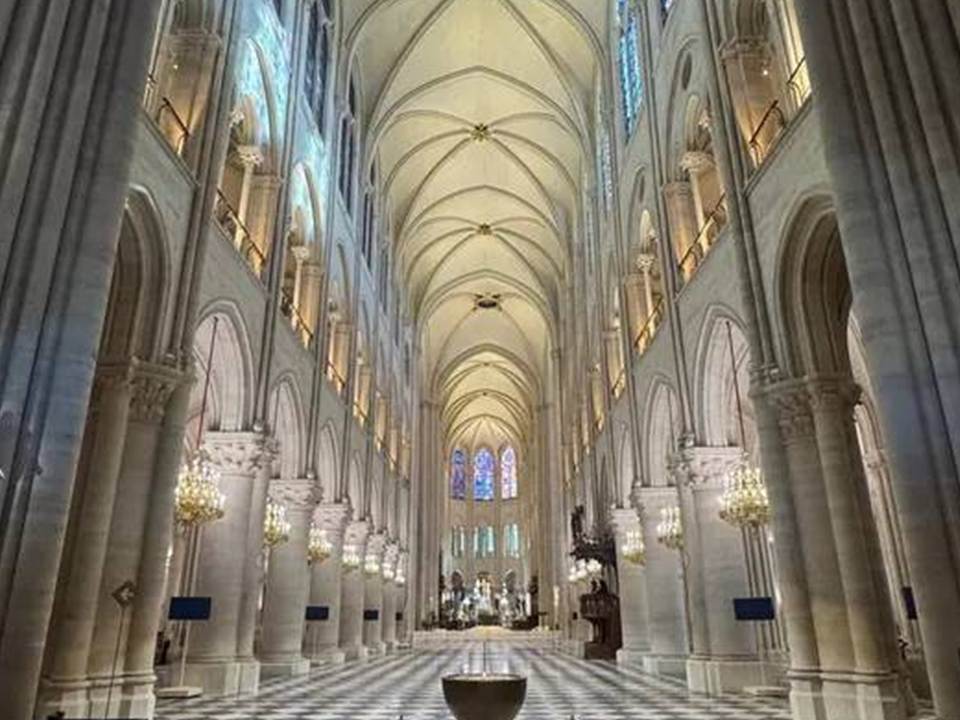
408,685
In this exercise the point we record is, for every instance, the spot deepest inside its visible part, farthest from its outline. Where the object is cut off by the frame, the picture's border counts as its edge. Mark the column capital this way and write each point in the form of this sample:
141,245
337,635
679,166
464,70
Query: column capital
624,520
645,262
300,494
704,466
240,453
153,385
790,400
697,160
250,155
833,393
356,532
333,518
677,188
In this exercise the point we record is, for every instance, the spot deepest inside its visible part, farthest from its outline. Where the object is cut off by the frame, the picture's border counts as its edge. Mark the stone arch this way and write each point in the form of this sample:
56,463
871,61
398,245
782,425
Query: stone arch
327,455
663,428
228,404
715,396
287,424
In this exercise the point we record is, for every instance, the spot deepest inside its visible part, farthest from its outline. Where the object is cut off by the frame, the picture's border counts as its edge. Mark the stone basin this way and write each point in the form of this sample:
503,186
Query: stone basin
484,697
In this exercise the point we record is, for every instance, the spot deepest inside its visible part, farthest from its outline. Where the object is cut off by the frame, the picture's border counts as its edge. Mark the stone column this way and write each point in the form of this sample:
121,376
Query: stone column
352,592
632,590
65,684
884,83
826,680
666,611
323,636
681,214
288,584
373,595
724,654
251,157
70,99
645,264
215,661
389,615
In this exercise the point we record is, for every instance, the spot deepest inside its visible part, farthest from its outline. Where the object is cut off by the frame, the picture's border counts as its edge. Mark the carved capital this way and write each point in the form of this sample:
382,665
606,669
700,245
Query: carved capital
705,466
624,520
250,155
696,161
356,533
791,402
646,262
152,387
333,518
240,453
833,395
295,494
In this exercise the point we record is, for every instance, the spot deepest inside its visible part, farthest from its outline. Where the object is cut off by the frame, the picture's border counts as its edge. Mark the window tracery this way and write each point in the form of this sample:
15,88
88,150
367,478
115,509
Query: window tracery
483,472
508,473
458,475
631,69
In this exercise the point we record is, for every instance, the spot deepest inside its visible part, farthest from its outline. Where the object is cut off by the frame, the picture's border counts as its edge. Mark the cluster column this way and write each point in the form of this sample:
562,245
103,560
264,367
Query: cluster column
389,621
373,594
323,636
288,584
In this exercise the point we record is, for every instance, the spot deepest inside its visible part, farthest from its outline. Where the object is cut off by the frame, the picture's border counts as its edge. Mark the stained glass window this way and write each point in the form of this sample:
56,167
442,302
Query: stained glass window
484,543
458,475
511,540
483,471
631,72
665,6
458,541
508,473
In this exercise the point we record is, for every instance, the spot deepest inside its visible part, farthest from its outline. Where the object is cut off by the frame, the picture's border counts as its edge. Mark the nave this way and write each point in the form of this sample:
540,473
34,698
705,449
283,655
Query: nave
408,684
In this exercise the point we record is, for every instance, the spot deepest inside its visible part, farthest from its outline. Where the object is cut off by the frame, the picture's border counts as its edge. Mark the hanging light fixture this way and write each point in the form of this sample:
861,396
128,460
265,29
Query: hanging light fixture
351,558
634,549
594,569
670,528
276,527
319,547
197,496
371,564
744,502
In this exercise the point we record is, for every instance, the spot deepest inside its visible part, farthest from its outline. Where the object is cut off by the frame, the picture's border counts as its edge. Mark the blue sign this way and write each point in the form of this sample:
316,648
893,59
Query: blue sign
317,613
752,609
371,614
190,608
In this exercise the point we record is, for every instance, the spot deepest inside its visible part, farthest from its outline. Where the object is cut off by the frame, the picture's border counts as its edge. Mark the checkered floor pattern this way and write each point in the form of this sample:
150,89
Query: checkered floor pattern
408,685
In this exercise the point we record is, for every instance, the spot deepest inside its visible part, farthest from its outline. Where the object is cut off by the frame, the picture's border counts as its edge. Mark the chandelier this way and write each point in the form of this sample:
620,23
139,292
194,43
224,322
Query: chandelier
276,527
351,558
401,576
371,564
670,528
634,549
197,497
744,502
319,547
388,573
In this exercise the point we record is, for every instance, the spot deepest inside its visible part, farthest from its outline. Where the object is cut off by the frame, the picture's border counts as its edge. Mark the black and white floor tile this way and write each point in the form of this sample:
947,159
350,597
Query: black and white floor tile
408,685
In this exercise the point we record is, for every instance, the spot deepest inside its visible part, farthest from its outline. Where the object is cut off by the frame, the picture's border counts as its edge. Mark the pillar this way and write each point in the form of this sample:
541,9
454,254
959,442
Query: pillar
251,157
352,591
373,594
681,215
884,85
724,655
389,615
62,205
632,591
322,637
667,624
844,666
288,584
215,660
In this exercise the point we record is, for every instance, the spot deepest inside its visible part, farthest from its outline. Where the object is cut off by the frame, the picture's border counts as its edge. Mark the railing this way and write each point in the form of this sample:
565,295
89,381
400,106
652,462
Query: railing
165,115
229,220
291,311
765,136
619,385
709,232
649,329
360,415
334,376
799,84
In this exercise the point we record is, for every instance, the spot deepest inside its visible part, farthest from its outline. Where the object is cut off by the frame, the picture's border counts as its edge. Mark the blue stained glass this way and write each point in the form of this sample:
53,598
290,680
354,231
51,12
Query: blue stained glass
483,471
631,71
508,472
458,475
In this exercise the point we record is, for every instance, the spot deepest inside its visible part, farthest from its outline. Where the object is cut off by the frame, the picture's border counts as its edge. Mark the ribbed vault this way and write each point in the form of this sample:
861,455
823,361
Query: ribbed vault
478,116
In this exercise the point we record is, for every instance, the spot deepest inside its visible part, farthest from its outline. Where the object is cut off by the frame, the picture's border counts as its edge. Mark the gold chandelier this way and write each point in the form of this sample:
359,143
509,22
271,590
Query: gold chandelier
371,564
319,547
634,549
744,502
197,497
276,527
670,528
351,558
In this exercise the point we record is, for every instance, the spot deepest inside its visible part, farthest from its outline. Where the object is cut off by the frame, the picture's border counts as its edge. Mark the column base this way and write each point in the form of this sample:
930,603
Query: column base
376,649
846,696
717,676
354,652
292,667
656,664
69,696
223,677
577,648
329,656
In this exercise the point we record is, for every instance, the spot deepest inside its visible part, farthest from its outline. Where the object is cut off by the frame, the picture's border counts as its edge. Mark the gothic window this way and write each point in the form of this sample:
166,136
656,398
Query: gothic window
508,472
511,540
348,149
484,543
631,74
458,541
318,56
458,475
483,471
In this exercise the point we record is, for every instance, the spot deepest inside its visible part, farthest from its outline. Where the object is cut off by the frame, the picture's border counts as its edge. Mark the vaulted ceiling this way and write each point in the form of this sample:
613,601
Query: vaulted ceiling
478,113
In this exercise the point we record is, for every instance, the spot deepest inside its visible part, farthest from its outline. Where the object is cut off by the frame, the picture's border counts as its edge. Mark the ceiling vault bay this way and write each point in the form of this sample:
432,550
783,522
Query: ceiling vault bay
478,116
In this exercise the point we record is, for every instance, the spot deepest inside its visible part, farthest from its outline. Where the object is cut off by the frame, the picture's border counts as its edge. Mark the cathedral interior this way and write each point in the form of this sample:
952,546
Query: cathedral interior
350,349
